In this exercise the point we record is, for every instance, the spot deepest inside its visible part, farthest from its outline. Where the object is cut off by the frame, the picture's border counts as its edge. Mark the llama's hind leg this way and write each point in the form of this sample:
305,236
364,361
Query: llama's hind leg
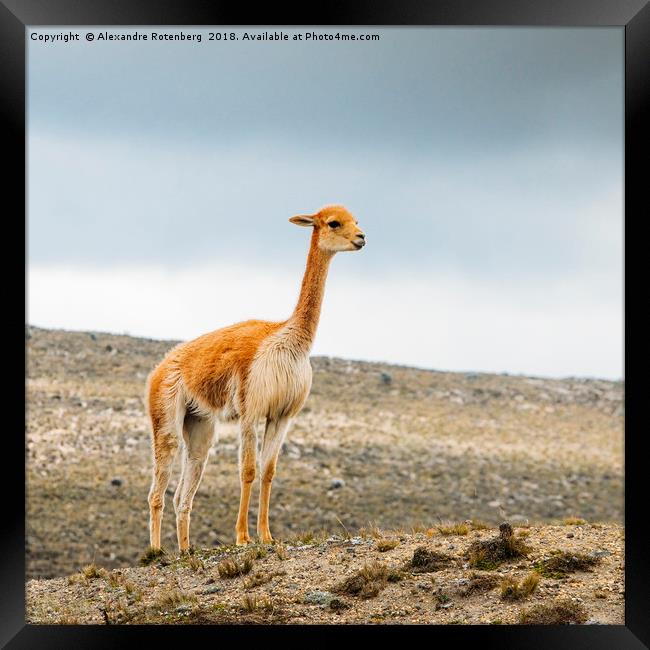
247,470
273,438
165,445
198,434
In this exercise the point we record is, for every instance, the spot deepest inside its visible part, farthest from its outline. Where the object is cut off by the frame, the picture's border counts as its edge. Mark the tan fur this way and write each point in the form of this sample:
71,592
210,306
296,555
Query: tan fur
251,371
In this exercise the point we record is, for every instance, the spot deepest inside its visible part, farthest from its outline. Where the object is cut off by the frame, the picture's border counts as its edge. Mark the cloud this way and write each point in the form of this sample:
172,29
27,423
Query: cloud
441,323
485,165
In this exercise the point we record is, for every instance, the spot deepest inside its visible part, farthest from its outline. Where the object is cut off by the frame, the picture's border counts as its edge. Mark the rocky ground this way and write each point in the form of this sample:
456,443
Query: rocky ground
376,445
568,574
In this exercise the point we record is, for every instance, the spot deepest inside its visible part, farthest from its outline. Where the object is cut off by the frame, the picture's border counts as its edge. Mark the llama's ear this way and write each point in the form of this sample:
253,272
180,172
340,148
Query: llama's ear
303,220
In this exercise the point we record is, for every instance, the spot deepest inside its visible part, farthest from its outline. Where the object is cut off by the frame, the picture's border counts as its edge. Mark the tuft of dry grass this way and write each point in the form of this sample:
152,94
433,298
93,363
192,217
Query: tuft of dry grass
258,552
370,531
67,617
561,612
252,604
489,554
281,551
174,598
477,524
561,564
151,555
92,572
308,537
453,529
511,589
420,528
573,521
367,582
384,545
479,583
261,578
232,568
115,579
426,561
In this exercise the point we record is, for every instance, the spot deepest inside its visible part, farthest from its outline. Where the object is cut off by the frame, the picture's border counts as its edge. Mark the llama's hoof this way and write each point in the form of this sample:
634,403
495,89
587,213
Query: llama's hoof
243,541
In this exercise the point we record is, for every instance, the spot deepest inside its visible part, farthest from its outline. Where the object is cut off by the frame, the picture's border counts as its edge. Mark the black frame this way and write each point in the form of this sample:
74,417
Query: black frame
633,15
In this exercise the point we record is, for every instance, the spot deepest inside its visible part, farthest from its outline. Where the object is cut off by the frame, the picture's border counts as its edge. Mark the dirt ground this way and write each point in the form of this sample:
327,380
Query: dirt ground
376,445
308,581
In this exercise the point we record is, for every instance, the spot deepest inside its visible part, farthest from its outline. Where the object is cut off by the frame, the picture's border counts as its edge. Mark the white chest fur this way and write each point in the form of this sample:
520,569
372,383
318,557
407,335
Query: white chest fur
279,379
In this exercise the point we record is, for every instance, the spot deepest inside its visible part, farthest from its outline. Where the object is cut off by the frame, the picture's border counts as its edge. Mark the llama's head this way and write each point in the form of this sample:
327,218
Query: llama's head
335,228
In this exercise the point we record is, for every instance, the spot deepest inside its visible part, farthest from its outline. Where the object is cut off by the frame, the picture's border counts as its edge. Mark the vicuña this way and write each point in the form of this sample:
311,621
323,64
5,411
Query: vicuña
252,371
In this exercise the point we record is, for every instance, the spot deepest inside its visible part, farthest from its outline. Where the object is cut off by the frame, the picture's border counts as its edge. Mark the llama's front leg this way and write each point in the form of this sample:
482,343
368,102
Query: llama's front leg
247,464
273,438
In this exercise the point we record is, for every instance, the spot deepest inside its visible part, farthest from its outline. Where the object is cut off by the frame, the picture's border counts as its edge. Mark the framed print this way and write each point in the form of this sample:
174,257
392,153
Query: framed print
326,320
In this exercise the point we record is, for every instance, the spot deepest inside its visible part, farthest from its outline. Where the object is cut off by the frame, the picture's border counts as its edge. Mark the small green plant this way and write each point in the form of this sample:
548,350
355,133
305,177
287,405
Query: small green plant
562,612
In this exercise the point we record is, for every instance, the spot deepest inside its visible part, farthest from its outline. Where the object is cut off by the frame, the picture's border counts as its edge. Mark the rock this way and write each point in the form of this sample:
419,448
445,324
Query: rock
600,553
212,589
93,336
116,481
494,504
570,535
505,530
337,483
318,598
183,609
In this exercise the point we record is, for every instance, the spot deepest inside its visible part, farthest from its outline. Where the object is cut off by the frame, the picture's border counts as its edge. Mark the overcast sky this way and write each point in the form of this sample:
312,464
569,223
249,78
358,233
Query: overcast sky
485,165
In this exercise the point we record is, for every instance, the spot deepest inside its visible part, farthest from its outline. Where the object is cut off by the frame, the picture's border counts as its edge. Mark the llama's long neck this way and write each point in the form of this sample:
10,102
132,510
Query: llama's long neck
301,327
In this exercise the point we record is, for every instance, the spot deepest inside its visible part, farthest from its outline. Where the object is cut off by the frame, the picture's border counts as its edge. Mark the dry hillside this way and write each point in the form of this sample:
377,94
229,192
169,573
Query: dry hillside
376,445
460,574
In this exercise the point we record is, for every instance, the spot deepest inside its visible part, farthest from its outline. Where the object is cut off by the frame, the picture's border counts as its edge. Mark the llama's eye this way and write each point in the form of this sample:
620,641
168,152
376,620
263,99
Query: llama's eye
333,224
